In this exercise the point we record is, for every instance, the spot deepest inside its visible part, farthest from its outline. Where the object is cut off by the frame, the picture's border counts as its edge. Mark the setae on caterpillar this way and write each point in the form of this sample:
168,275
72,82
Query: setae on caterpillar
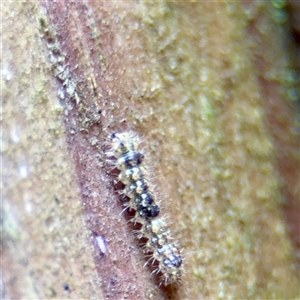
122,151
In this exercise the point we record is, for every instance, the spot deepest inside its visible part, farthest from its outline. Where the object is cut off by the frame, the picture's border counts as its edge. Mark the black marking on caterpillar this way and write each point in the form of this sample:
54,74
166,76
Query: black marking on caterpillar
122,152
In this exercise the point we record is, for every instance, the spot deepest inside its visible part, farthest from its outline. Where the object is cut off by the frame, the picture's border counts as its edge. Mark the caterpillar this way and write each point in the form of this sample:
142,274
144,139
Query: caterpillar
122,149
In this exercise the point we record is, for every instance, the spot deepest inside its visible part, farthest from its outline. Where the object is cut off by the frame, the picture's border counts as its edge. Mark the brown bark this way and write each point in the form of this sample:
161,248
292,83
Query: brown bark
185,78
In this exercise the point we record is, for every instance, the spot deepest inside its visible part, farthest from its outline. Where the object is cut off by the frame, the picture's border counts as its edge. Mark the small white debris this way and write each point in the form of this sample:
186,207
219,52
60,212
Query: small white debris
15,135
101,243
23,171
6,73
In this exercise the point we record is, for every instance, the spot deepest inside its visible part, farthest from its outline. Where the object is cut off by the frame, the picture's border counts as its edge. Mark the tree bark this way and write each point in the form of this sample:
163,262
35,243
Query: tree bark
201,84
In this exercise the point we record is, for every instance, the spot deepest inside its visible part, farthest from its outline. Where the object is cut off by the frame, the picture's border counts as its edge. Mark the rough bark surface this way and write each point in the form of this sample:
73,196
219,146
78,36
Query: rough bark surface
193,80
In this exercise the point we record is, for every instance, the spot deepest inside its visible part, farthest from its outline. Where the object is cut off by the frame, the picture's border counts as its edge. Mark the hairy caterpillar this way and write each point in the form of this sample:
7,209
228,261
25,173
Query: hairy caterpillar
122,150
